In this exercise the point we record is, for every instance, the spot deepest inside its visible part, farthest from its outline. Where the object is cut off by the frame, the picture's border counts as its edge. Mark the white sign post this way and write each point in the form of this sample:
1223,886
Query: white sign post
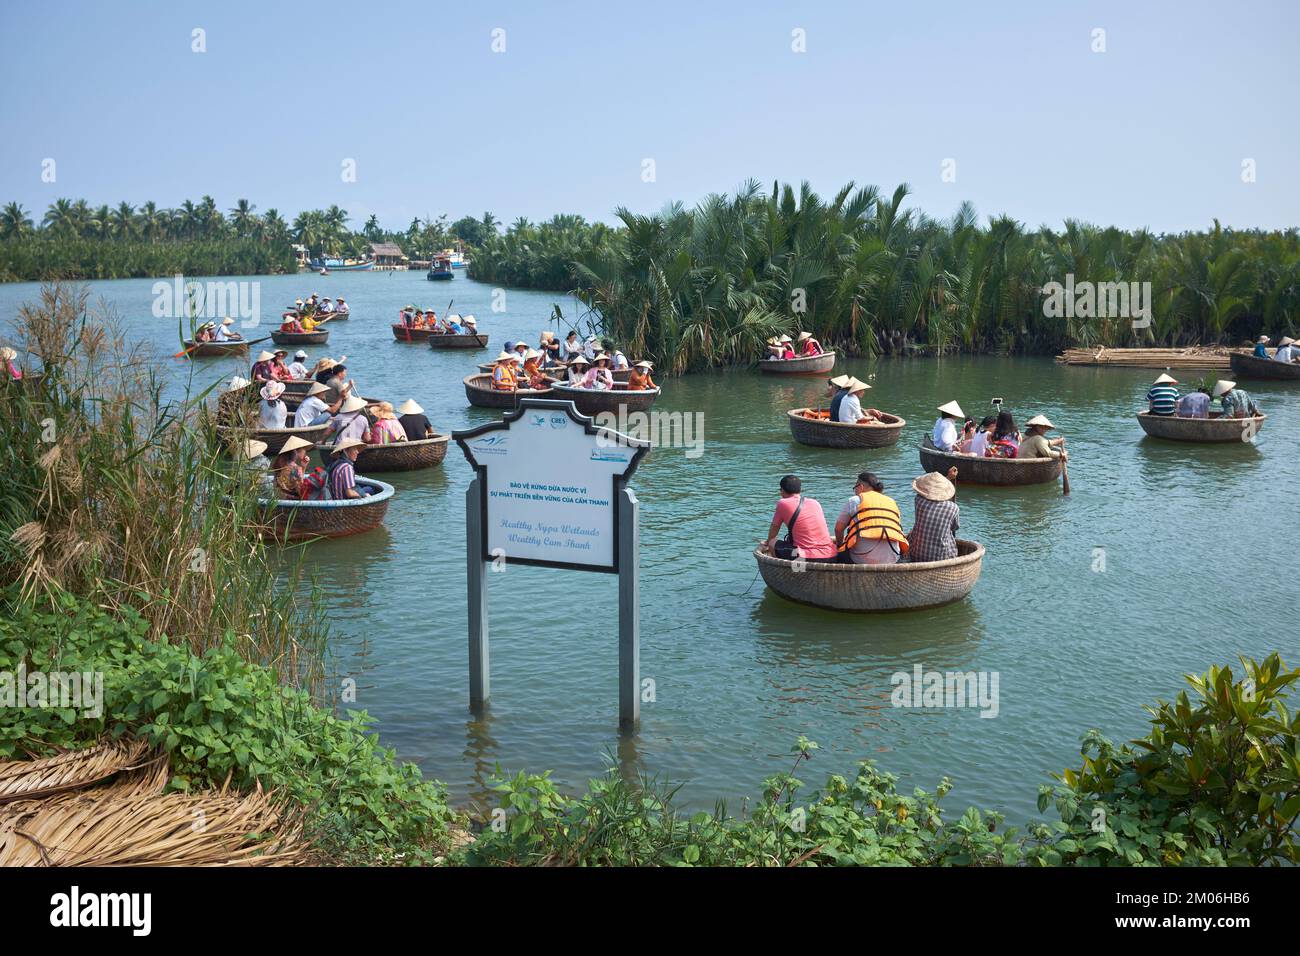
550,490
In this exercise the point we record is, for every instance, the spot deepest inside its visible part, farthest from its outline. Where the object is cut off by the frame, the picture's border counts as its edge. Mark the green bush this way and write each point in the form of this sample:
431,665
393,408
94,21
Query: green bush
218,715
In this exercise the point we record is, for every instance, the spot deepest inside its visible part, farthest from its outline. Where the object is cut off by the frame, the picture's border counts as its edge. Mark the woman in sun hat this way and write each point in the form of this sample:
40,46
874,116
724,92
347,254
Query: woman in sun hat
1260,343
290,466
532,374
262,371
505,376
351,421
809,345
272,412
226,332
578,370
1162,396
385,429
413,421
835,389
1037,445
599,377
944,436
934,534
255,464
10,372
786,348
639,380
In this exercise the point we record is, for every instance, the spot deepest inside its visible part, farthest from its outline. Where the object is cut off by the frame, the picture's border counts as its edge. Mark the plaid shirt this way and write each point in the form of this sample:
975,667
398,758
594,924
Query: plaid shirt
1238,404
934,537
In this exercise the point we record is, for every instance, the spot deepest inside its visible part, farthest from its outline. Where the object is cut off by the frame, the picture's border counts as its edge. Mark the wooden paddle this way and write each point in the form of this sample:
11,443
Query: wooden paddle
1065,472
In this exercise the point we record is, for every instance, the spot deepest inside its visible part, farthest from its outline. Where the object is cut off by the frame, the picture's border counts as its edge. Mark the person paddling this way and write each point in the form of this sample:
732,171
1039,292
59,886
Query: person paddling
850,410
1037,445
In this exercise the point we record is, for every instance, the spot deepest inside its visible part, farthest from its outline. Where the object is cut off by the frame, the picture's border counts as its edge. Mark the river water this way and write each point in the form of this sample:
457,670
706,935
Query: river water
1166,559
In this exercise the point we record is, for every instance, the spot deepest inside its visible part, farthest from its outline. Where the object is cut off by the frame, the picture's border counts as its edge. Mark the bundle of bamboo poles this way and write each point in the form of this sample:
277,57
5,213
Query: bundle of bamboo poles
1193,357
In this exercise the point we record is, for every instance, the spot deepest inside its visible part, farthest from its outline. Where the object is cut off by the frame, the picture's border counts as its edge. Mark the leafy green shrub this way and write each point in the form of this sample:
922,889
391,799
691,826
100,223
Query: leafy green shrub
1215,782
219,715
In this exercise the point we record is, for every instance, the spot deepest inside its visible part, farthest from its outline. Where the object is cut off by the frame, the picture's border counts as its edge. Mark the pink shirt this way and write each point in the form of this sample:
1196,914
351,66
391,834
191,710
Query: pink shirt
810,534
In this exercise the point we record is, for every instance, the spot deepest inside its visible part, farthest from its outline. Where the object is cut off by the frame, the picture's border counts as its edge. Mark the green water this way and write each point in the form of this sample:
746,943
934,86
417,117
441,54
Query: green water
1196,541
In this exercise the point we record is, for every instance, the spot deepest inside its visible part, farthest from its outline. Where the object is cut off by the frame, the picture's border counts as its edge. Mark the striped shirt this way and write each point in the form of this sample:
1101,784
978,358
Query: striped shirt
342,478
1163,399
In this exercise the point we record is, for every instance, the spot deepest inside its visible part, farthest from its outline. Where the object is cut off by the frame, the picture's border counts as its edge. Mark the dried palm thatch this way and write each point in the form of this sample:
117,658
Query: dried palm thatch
35,779
132,822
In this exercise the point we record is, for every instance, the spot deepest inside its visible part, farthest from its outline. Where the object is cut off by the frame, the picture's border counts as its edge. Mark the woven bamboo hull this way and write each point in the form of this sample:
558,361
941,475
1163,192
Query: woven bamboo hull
1248,366
875,587
592,402
1220,430
458,341
812,365
297,386
1194,357
276,437
990,471
480,393
215,349
301,338
301,520
826,434
403,455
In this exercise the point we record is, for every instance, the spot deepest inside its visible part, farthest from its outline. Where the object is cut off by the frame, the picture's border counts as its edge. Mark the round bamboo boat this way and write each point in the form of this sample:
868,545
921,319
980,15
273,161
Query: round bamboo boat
904,586
215,349
301,520
822,433
480,393
297,386
803,365
1248,366
1219,429
561,371
276,437
990,471
301,338
404,455
590,401
403,334
445,341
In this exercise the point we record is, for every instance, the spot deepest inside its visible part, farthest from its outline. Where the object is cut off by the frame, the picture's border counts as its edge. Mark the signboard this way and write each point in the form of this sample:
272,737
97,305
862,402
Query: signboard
549,484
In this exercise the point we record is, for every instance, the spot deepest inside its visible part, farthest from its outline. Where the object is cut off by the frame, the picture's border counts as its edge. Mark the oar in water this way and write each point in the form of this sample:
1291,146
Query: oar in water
1065,472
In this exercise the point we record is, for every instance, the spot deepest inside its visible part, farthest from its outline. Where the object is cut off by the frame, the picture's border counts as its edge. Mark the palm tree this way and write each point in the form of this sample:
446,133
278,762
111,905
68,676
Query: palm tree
122,221
242,219
14,222
60,219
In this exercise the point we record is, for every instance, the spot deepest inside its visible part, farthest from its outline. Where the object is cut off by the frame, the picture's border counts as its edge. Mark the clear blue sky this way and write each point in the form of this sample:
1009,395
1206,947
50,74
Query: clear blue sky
1151,132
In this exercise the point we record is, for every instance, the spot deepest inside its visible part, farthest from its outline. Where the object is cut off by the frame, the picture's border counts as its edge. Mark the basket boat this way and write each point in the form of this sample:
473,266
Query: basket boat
1220,429
480,393
301,338
875,587
403,455
301,520
590,401
276,437
297,386
822,433
804,365
990,471
446,341
215,349
1248,366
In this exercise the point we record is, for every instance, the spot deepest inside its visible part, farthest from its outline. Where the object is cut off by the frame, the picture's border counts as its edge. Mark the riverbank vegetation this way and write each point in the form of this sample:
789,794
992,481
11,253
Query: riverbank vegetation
75,240
692,288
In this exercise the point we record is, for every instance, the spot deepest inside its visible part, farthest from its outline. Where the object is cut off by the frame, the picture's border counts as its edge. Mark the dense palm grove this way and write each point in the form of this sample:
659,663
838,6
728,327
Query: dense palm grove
75,240
705,286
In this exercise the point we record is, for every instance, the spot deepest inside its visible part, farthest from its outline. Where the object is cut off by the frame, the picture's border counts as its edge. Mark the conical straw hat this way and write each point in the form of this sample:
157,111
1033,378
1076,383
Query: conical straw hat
1164,378
839,381
354,403
1222,386
1040,420
294,443
856,385
952,408
409,407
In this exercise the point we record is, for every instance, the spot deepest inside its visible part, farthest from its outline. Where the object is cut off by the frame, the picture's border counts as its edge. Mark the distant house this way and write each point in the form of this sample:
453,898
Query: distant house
387,255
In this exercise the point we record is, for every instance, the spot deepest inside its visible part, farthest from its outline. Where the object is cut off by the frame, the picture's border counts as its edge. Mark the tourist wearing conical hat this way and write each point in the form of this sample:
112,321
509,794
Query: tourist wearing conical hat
808,345
532,373
1261,343
934,534
639,380
1287,350
226,331
835,389
272,412
262,370
850,410
342,477
578,370
505,376
1037,445
290,467
341,307
413,421
599,377
944,435
1162,396
1235,402
314,409
351,421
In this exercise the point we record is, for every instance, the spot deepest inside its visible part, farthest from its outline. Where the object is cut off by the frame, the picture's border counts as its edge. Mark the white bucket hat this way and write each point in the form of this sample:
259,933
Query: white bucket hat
953,409
1222,386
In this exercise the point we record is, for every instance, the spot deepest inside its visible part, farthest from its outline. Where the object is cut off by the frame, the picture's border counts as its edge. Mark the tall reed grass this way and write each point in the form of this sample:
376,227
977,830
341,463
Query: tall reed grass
114,491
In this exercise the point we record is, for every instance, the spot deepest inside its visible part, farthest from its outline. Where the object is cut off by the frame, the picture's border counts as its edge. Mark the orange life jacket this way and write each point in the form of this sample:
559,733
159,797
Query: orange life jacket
504,379
877,519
